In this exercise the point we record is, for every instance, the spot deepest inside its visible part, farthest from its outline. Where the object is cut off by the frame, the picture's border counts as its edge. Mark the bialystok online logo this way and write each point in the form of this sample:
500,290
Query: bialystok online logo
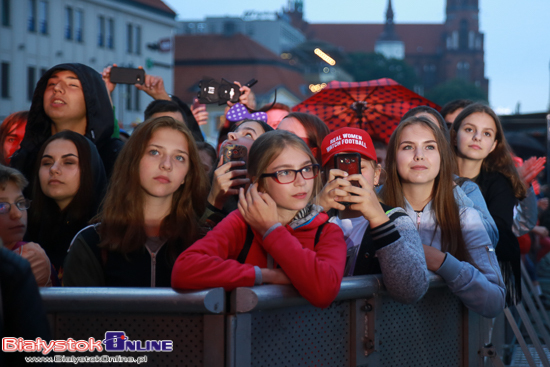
115,341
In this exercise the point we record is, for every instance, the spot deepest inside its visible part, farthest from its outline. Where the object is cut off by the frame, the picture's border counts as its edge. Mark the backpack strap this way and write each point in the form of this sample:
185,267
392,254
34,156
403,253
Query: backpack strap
318,234
247,244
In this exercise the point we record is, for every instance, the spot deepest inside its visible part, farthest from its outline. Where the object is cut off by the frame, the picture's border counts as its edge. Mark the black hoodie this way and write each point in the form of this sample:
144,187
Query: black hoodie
99,113
54,229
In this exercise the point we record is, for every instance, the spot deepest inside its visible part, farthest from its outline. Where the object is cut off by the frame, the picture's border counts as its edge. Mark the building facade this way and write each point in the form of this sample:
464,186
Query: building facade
271,30
438,52
38,34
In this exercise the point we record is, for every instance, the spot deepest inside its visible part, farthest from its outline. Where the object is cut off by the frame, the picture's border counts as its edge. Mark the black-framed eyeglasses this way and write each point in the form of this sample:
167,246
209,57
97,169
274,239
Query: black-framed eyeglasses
287,176
21,205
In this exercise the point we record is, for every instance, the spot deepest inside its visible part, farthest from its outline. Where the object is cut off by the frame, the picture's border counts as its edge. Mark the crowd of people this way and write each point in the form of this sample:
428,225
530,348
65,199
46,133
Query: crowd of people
87,207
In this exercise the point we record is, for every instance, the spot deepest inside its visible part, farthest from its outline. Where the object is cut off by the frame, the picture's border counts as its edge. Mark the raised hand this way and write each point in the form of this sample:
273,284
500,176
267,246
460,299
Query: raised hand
225,184
200,114
329,197
364,200
154,86
258,209
531,169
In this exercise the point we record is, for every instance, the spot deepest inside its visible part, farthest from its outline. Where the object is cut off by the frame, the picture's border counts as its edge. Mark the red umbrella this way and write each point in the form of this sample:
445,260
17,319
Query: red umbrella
376,106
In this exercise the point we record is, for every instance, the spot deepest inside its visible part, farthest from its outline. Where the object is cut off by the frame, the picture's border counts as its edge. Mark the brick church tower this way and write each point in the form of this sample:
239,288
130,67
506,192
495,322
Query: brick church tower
463,55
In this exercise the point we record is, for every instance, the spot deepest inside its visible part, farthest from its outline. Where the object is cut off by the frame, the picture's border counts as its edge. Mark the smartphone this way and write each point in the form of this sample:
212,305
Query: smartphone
350,163
197,104
234,152
127,75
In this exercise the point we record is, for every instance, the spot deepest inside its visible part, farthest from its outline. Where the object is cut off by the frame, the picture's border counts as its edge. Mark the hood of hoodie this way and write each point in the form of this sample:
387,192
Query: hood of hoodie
99,112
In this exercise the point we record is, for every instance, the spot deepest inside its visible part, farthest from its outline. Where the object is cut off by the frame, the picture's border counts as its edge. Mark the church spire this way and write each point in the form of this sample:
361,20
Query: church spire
389,29
389,14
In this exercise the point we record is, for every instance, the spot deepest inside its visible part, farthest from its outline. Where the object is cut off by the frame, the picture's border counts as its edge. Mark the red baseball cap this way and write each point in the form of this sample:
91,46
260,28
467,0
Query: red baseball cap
347,139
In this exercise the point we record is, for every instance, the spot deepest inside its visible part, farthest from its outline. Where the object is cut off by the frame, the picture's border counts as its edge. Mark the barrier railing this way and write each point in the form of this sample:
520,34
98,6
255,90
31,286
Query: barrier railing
273,325
194,321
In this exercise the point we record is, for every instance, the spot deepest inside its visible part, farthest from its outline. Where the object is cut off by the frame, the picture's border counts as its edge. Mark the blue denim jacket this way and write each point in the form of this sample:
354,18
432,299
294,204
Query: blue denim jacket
477,283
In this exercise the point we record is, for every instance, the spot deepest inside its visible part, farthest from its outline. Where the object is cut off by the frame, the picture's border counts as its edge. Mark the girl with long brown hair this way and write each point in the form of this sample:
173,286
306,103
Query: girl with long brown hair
150,213
278,235
456,245
483,156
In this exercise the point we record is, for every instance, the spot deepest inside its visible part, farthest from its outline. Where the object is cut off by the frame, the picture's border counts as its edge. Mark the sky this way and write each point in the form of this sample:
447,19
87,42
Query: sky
517,36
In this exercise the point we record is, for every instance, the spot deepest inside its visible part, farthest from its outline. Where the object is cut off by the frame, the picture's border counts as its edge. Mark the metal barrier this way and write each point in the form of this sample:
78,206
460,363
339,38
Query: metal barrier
273,325
193,320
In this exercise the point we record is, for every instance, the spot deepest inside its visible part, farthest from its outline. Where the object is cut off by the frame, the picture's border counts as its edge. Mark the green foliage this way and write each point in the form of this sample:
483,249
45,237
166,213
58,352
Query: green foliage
369,66
455,89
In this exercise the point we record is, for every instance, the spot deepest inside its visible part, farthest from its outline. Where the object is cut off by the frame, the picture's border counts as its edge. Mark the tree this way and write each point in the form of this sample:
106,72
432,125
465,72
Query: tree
455,89
369,66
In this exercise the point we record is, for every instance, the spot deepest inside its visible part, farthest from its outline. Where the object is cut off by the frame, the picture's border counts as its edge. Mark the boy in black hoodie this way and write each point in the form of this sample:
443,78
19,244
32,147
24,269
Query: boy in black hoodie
69,97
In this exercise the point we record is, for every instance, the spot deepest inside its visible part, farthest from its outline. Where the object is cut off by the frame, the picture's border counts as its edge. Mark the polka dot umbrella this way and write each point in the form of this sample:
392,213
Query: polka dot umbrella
375,106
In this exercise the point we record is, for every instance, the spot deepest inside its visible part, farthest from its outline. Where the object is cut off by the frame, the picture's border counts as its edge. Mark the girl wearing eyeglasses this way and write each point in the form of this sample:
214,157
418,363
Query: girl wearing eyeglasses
278,235
13,225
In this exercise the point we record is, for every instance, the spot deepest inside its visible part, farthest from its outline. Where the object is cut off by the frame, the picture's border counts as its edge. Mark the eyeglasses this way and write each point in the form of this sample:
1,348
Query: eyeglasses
21,205
287,176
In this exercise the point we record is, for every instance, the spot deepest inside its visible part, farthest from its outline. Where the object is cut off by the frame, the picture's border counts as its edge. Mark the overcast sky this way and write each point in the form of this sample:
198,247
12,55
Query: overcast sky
517,36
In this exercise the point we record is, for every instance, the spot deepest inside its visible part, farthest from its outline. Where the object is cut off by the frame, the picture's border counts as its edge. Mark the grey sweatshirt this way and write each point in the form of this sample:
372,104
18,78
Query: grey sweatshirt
398,249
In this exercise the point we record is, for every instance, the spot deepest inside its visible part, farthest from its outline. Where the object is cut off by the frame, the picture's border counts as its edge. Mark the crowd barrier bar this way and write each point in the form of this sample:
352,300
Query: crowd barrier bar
273,325
194,321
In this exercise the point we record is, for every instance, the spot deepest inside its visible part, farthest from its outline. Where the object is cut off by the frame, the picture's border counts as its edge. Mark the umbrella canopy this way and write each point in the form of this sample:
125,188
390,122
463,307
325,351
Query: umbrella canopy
375,106
524,145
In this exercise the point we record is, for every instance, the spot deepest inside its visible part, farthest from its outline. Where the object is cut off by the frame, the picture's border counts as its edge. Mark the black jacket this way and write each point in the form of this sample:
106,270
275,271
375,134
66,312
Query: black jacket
88,265
54,229
99,113
499,196
23,315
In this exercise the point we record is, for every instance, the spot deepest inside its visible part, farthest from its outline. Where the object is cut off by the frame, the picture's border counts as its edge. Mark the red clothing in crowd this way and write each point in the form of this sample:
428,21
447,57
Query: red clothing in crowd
315,272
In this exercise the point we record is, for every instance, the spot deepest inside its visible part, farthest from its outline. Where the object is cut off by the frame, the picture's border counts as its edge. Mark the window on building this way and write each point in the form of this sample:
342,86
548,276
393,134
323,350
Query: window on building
100,31
136,99
137,48
463,35
68,23
79,26
463,70
129,89
31,26
31,82
43,17
6,11
42,71
111,34
129,38
5,80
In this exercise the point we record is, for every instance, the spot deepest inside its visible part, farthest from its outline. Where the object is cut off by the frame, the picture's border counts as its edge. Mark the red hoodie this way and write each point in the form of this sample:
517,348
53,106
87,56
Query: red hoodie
315,272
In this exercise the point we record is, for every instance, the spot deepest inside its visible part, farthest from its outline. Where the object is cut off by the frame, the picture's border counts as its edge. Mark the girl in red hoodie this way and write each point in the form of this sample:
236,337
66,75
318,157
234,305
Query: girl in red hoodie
278,235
